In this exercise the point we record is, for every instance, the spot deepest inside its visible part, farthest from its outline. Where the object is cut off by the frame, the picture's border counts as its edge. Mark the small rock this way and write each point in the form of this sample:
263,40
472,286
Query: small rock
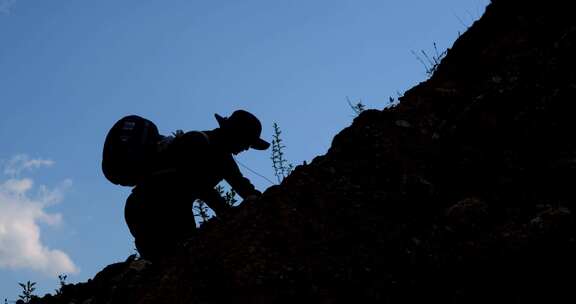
554,220
403,124
139,265
469,214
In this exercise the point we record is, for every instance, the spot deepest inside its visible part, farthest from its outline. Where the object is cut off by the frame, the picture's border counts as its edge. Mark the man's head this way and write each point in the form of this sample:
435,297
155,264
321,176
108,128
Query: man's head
242,131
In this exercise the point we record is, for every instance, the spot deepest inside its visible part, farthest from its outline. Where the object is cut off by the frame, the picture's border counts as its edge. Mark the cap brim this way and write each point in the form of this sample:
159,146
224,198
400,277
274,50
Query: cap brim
260,144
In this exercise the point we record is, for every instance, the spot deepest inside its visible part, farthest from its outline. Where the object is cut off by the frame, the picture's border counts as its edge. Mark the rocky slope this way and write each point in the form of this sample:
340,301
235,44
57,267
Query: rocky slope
463,193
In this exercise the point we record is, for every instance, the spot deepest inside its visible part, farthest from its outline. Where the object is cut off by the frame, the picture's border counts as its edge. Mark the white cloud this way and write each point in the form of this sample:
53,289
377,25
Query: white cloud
5,6
23,162
21,212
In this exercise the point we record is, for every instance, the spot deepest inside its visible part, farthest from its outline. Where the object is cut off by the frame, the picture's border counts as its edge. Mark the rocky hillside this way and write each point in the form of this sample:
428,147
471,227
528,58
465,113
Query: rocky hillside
463,193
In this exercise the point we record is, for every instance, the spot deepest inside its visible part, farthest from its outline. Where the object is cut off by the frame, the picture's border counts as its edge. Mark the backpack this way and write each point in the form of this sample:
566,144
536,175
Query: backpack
130,150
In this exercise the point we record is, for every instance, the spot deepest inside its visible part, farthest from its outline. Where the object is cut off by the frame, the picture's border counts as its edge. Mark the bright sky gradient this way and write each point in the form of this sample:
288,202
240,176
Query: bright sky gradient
69,69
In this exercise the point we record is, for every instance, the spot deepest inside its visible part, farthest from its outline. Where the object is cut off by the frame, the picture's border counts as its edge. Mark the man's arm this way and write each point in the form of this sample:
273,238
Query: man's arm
239,183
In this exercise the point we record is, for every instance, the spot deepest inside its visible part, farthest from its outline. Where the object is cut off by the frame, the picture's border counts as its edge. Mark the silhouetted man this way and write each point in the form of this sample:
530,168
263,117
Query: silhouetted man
159,210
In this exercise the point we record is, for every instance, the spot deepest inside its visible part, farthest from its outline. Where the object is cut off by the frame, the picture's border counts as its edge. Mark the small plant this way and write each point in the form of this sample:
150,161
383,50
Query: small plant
229,196
357,107
431,63
281,166
392,101
201,211
62,278
27,291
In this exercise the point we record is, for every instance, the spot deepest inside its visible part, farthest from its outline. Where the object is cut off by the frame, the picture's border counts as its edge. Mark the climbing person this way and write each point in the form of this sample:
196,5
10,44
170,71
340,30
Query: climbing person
158,212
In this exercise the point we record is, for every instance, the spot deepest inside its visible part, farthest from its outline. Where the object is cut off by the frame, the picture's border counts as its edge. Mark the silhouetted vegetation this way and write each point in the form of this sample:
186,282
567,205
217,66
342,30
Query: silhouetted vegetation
357,107
430,62
282,168
228,195
62,280
201,209
27,292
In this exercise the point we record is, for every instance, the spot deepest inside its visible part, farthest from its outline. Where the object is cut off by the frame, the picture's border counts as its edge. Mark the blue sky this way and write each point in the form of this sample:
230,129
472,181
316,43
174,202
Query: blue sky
69,69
